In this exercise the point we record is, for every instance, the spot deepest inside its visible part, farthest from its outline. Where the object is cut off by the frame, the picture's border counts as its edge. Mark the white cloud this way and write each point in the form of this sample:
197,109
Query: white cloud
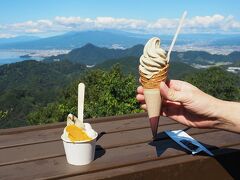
215,23
34,30
198,24
205,21
68,20
38,26
163,23
119,22
44,22
99,22
32,24
231,23
7,35
22,24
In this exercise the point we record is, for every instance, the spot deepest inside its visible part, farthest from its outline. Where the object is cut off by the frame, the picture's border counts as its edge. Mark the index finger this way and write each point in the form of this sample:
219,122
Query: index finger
174,84
140,90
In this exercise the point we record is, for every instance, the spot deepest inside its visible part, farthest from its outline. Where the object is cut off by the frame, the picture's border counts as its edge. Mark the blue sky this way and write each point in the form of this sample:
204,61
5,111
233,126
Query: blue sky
22,11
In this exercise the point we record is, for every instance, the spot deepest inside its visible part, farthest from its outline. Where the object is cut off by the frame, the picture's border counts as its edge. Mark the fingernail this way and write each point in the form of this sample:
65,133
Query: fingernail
163,85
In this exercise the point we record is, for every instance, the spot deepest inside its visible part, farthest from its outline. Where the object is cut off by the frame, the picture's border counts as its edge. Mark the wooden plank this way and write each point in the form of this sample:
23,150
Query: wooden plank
53,134
112,158
55,148
193,167
31,152
62,124
129,124
143,135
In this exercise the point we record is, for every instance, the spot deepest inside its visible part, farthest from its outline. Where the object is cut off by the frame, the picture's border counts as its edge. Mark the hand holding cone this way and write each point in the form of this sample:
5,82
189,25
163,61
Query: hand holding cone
153,69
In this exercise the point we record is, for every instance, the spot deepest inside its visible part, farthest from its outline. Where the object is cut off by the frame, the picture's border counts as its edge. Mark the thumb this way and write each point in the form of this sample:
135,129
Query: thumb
171,94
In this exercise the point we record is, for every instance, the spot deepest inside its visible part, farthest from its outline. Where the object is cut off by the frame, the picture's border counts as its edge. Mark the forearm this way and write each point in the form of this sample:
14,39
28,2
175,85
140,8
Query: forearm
228,116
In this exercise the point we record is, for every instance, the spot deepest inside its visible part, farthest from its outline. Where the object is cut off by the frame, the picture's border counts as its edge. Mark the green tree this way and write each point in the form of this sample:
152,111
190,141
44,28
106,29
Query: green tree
107,93
29,85
3,117
217,82
3,114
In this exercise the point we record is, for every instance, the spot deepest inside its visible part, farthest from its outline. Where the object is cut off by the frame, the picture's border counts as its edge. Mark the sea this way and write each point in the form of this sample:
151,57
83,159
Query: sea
12,56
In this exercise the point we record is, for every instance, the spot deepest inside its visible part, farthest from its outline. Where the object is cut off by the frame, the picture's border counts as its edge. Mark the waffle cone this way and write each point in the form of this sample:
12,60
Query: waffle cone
153,101
152,96
154,81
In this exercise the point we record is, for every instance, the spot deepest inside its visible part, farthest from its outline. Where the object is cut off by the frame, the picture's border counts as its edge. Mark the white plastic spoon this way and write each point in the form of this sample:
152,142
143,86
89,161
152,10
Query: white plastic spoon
81,93
176,34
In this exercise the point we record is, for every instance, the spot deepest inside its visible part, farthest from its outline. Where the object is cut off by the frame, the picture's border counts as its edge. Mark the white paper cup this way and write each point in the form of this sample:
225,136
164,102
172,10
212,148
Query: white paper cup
80,152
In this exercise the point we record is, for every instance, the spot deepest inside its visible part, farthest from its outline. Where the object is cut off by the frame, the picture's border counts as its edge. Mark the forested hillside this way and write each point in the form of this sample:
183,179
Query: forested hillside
130,65
92,55
113,93
28,85
33,92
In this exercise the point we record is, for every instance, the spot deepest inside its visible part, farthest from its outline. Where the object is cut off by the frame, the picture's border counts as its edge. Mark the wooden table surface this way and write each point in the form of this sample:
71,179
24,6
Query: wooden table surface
124,151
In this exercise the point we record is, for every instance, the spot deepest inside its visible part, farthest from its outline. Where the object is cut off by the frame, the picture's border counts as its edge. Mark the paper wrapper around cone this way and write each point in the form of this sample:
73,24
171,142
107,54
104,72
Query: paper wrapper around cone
152,96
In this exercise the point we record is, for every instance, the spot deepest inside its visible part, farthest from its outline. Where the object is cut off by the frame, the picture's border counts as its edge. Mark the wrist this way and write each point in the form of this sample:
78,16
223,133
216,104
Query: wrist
226,116
219,109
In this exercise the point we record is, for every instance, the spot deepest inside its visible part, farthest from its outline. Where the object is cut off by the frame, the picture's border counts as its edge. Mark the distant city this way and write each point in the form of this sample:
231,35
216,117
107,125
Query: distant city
28,47
210,49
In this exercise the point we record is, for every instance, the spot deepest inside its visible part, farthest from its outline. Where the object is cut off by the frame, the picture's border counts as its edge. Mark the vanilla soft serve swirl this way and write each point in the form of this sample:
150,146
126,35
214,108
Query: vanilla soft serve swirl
153,58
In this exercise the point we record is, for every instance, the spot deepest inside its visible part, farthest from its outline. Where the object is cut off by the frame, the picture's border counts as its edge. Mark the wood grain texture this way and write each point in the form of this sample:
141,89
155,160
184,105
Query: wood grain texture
35,135
62,124
123,156
124,151
194,167
110,140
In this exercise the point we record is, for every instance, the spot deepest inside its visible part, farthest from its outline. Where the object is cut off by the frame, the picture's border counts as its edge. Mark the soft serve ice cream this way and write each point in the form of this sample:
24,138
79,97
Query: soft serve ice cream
79,140
76,131
153,69
153,58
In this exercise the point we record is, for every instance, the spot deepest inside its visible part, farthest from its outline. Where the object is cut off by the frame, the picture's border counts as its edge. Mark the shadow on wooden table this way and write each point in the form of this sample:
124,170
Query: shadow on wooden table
162,142
228,158
99,150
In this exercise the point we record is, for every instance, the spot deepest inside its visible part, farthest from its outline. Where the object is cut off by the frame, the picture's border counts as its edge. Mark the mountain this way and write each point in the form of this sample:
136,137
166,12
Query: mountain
28,85
91,54
114,39
204,58
73,40
130,65
18,39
